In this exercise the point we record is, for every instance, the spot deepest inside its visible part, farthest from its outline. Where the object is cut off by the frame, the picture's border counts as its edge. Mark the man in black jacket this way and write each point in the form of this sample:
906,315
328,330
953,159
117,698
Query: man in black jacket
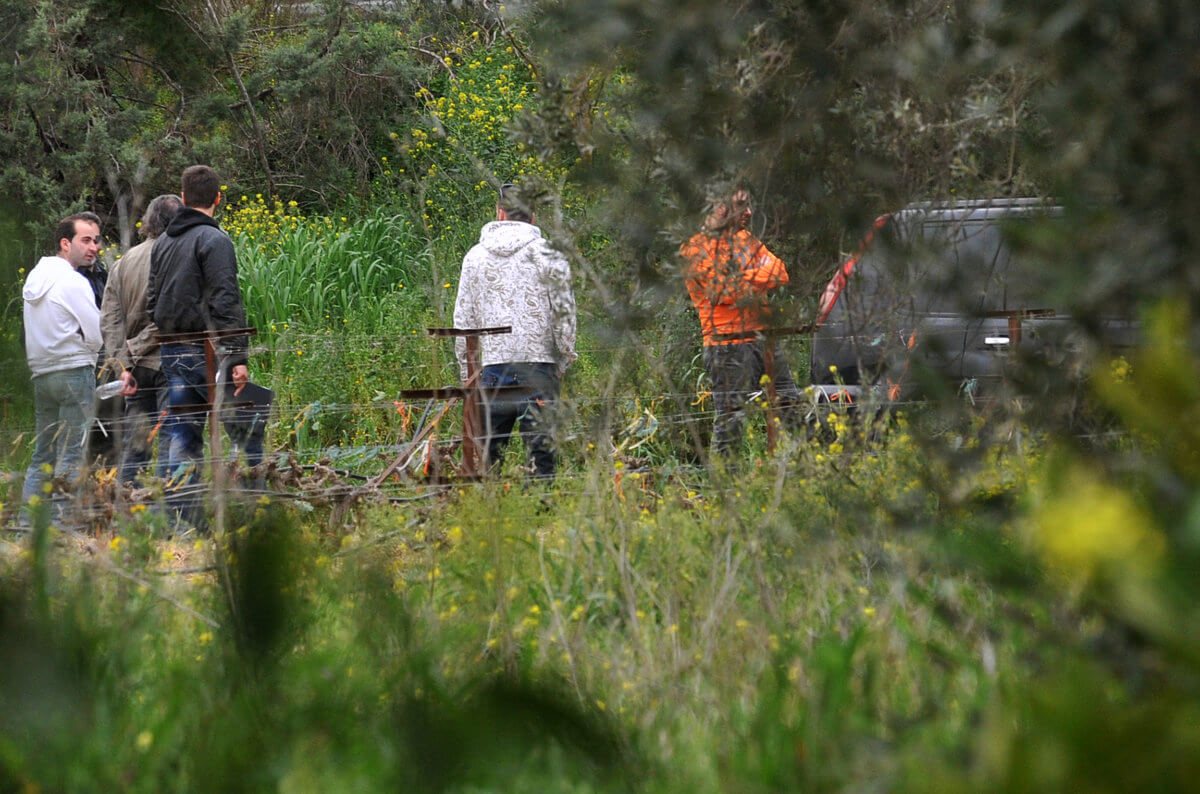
194,288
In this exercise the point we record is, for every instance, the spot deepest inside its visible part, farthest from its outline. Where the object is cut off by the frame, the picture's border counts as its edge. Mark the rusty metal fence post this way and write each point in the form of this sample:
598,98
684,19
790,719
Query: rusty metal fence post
470,393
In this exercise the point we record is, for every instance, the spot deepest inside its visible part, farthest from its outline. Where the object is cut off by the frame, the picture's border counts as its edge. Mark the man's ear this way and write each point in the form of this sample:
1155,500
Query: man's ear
501,215
220,198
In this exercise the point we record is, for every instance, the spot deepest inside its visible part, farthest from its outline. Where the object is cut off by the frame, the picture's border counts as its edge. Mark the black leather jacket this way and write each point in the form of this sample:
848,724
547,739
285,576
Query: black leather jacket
193,281
97,276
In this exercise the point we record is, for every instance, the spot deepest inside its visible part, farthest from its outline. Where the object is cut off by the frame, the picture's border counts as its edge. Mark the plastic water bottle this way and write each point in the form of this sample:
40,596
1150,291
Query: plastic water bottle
110,389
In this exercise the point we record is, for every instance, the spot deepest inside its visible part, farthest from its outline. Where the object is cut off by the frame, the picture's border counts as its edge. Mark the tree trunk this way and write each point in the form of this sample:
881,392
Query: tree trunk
260,138
112,175
129,201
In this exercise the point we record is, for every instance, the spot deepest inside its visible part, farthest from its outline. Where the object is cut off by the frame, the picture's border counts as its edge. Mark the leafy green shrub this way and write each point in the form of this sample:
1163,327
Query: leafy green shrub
462,152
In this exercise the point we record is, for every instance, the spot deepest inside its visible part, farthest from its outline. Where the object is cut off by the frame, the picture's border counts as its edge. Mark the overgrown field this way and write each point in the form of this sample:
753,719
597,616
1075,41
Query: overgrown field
854,612
909,603
940,598
791,627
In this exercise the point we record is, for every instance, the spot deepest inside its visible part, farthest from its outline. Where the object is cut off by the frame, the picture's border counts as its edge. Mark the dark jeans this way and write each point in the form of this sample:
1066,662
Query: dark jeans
186,375
103,442
183,367
736,372
144,412
531,410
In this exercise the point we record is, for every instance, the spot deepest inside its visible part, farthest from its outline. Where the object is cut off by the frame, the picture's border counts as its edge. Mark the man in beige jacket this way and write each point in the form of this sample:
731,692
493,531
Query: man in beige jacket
130,339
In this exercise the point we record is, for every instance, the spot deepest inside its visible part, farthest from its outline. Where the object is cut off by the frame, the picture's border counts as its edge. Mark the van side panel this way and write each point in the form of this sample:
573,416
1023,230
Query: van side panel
932,292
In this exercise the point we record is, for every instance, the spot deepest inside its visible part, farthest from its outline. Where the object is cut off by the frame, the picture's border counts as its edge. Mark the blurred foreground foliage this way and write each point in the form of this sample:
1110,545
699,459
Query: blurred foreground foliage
1116,528
285,676
850,613
957,604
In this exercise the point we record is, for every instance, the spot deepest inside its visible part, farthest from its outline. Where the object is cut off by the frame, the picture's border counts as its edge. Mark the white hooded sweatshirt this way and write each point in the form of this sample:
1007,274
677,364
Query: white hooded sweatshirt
62,323
514,277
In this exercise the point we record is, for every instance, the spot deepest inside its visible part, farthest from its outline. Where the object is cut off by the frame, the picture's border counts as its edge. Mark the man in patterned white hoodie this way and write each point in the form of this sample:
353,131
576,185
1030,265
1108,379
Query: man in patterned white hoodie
514,277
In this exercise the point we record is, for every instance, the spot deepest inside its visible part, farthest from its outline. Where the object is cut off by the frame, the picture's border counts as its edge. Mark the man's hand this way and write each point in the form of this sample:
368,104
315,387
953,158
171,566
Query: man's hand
240,375
130,385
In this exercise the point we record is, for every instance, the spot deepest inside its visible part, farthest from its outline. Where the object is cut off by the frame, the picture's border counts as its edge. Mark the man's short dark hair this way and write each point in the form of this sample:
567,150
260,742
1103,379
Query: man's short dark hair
66,227
201,186
515,202
159,214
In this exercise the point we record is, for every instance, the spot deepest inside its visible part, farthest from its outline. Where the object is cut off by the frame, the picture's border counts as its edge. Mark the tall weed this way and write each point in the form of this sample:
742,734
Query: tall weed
316,276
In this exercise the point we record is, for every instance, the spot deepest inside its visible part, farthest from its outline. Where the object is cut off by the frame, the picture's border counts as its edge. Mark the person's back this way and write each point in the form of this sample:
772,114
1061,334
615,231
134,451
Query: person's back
131,342
513,277
193,289
126,289
195,269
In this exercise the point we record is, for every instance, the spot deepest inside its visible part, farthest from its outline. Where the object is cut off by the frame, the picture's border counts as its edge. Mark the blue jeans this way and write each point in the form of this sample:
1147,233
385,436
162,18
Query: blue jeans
186,375
501,413
63,404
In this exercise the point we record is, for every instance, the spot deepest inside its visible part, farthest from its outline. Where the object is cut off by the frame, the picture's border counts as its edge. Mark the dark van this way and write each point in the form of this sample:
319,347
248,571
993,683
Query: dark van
937,289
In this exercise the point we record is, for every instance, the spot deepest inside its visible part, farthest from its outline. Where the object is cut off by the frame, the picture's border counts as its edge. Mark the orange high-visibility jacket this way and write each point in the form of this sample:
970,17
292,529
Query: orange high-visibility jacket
728,277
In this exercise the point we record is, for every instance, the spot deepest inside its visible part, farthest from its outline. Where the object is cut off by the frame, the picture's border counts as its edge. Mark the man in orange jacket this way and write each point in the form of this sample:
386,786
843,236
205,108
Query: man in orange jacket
729,273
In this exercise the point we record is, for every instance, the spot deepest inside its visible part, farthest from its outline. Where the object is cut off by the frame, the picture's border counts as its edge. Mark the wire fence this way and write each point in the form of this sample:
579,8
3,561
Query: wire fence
656,431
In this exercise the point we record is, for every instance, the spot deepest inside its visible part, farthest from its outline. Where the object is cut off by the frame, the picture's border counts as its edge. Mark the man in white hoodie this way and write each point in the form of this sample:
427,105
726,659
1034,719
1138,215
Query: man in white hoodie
514,277
62,340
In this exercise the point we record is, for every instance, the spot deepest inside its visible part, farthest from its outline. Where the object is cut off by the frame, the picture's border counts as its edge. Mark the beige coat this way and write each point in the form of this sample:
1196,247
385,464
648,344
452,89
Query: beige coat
130,339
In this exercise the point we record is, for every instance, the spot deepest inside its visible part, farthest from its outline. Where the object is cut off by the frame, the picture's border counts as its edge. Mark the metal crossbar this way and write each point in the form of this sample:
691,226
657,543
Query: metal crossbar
469,393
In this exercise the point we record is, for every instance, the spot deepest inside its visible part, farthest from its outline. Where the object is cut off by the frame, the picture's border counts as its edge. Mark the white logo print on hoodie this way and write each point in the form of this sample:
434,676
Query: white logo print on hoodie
62,323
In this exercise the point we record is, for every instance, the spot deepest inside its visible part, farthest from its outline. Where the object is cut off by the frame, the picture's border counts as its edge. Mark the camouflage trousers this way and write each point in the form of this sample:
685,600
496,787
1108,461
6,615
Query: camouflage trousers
736,371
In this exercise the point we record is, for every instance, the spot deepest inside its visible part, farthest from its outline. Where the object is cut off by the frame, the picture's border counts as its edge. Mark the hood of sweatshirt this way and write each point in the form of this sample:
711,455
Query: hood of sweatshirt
505,238
189,218
44,276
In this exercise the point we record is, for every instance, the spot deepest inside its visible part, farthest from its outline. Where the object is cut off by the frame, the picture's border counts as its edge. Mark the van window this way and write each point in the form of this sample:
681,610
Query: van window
961,265
922,264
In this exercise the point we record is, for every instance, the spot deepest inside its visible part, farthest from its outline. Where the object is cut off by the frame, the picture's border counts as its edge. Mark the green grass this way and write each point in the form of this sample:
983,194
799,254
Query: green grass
318,277
825,621
856,612
690,635
891,606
